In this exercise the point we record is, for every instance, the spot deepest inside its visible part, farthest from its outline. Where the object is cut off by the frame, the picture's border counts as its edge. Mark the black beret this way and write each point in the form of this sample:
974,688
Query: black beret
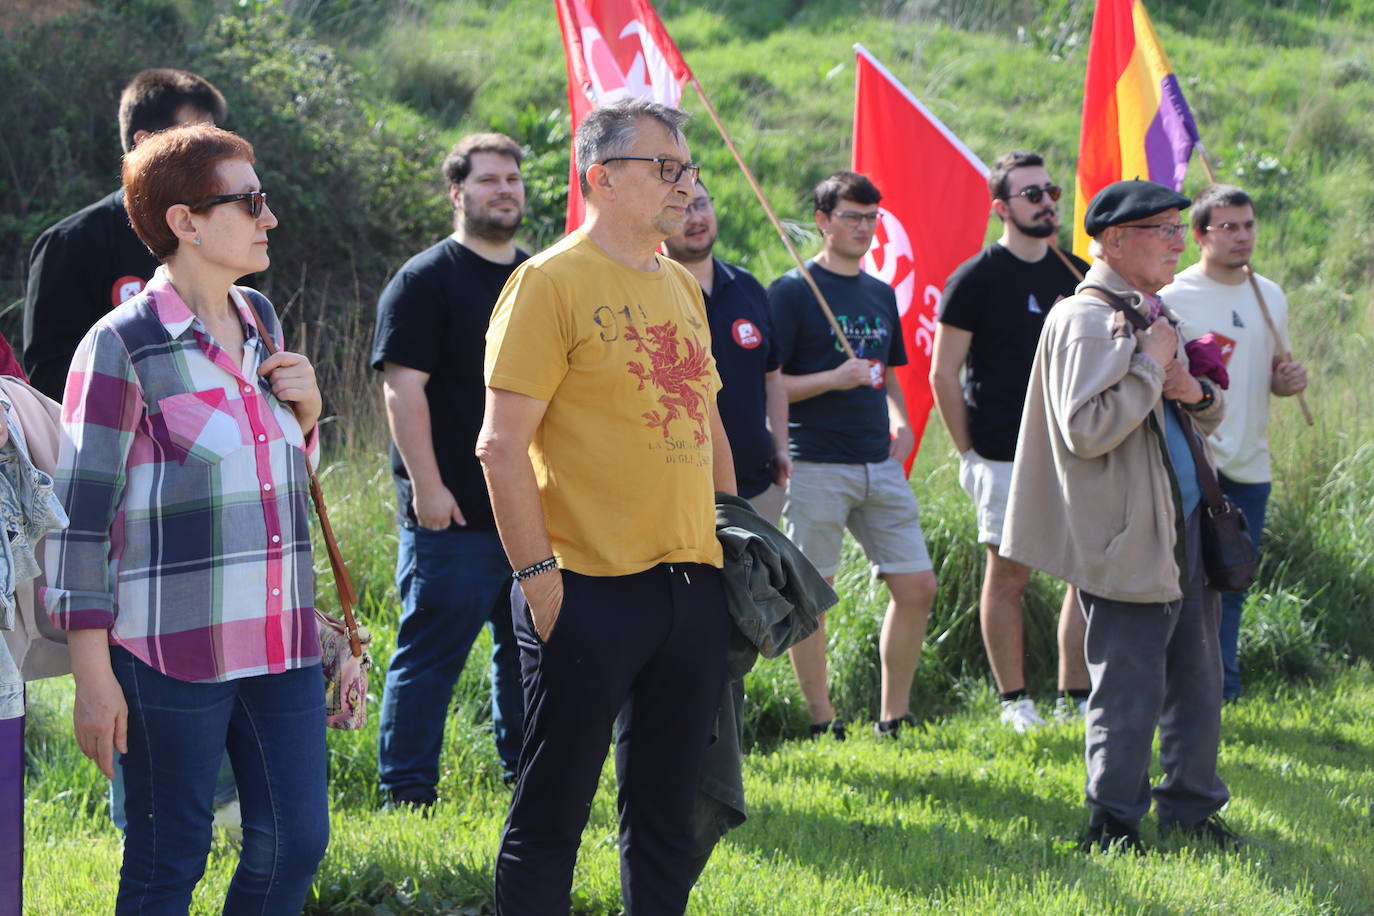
1123,201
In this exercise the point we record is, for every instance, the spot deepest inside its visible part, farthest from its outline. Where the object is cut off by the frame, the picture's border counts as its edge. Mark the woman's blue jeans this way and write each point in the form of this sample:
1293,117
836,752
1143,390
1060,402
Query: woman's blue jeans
273,728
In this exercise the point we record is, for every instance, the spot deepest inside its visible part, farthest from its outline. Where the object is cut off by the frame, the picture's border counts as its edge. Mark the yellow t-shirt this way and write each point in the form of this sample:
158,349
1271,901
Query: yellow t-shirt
623,356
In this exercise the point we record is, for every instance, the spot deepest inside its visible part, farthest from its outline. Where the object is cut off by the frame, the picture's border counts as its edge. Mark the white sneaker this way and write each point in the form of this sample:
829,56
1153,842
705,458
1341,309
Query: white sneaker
1067,708
1020,714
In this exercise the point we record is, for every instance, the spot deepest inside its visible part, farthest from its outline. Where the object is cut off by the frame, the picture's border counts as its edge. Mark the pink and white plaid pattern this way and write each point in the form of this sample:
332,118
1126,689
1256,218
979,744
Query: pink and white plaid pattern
186,485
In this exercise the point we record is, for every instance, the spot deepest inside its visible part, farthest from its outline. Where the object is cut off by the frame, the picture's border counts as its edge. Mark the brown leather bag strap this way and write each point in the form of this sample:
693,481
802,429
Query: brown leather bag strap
343,583
1211,487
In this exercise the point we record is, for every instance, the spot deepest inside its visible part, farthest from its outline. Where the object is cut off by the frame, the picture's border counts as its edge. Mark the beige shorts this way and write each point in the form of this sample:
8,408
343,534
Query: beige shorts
987,483
874,501
769,503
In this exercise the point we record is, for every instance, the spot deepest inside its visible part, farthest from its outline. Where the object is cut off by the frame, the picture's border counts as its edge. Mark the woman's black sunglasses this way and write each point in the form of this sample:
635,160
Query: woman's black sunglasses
255,199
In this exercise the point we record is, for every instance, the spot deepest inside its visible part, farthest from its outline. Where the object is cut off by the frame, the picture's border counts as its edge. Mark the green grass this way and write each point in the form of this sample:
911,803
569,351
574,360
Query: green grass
959,816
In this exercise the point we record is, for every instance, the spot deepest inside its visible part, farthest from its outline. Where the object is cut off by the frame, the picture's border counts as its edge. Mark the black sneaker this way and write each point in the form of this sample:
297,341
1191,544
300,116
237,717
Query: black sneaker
1213,830
835,726
1111,835
891,728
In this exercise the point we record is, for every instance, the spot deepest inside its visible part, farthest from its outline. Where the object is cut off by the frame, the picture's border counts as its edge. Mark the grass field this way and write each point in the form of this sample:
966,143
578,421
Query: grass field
960,816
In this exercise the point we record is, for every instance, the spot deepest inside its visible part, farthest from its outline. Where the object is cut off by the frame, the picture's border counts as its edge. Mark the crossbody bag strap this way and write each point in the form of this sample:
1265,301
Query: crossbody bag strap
1136,319
343,583
1211,488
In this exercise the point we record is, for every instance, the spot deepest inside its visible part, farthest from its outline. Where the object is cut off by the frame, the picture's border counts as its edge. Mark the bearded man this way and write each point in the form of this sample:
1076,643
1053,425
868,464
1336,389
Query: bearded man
451,572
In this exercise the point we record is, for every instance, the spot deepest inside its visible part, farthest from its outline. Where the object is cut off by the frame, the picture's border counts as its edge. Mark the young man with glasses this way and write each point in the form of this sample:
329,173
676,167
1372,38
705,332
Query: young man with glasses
91,261
754,408
603,450
1105,494
849,439
1215,295
451,573
991,313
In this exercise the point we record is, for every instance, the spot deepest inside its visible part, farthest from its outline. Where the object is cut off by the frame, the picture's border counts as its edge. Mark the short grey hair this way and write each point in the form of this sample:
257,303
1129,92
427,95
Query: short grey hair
609,132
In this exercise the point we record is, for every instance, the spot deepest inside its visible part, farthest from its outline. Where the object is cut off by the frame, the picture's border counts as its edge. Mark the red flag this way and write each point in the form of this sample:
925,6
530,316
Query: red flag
933,215
615,49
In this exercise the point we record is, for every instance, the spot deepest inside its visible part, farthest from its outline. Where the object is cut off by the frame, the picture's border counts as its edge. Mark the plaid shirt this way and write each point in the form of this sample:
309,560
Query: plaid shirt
186,486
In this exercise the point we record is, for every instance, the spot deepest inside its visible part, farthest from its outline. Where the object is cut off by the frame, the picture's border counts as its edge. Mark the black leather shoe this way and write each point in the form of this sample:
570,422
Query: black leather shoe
835,726
891,728
1111,835
1213,830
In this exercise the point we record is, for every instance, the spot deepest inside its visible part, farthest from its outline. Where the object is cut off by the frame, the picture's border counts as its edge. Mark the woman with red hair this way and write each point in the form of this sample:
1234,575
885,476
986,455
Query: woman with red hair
185,577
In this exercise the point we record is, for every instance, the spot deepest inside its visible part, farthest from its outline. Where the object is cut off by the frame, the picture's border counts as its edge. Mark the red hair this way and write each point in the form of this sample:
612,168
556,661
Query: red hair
175,166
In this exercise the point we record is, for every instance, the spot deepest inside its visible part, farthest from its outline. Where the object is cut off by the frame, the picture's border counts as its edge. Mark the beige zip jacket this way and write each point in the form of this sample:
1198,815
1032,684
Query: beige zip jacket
1093,499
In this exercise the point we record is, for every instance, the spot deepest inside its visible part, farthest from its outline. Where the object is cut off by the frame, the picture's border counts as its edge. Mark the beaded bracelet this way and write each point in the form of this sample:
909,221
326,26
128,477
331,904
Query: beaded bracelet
535,569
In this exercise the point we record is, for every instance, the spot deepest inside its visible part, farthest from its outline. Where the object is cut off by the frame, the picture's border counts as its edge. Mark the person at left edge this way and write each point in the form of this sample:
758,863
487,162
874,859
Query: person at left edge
185,579
91,261
450,570
754,406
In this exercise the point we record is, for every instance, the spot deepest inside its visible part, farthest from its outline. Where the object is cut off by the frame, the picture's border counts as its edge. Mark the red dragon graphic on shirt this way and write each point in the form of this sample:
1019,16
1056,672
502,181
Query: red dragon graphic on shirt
671,374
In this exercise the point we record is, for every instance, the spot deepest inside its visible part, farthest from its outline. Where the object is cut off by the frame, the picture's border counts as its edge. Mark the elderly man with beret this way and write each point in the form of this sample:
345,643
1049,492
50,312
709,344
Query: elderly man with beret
1105,494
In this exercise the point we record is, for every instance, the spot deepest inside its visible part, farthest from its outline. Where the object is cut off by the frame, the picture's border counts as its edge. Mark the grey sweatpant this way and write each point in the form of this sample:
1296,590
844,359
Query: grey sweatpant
1155,664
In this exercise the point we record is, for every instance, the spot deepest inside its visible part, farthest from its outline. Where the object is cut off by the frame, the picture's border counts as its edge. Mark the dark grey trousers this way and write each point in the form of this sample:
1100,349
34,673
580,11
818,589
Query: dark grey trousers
1155,665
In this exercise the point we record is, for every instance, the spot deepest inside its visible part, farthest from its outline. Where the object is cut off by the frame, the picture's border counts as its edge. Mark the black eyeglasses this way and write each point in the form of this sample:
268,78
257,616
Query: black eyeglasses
670,170
1035,193
856,217
256,201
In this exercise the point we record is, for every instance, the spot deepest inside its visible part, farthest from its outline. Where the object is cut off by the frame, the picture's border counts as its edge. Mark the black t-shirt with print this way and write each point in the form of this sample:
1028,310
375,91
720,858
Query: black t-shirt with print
433,317
837,427
1002,301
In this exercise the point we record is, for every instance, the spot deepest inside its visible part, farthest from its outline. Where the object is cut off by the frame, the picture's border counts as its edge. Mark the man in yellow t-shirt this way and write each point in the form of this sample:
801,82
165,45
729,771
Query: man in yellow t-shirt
602,450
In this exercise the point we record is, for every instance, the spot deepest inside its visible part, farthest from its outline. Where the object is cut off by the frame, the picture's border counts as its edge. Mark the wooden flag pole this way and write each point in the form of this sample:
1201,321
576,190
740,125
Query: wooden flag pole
1283,351
1206,165
1280,345
768,208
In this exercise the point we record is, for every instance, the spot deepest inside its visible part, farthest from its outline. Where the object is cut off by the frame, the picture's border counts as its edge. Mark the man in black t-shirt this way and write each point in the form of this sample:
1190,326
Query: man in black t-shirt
91,261
451,571
753,399
849,438
990,319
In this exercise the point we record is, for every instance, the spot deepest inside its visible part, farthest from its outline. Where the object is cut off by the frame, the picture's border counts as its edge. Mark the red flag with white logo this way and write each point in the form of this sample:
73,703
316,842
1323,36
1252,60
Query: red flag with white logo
933,214
615,49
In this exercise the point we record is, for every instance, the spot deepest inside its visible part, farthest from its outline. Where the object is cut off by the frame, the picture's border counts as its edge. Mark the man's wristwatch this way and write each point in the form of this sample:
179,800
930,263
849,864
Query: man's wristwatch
1208,396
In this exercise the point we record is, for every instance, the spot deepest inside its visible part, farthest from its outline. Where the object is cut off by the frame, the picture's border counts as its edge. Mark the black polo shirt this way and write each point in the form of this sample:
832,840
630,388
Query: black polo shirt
741,341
